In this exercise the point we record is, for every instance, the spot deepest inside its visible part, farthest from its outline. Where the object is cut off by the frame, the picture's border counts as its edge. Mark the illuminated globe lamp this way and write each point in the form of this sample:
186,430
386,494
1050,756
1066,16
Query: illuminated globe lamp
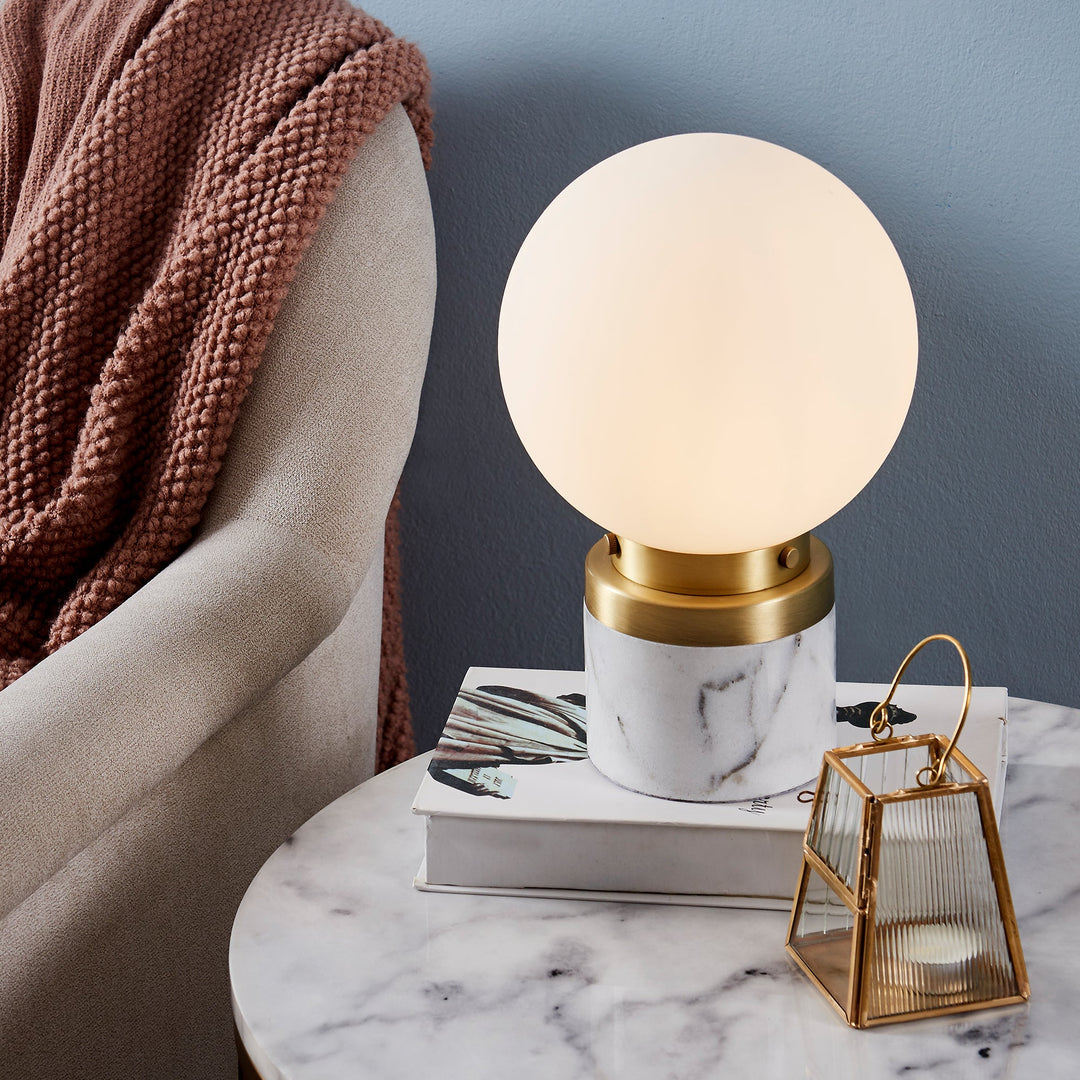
708,346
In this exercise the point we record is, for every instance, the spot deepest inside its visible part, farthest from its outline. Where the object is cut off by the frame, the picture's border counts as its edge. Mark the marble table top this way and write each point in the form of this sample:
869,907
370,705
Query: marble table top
340,969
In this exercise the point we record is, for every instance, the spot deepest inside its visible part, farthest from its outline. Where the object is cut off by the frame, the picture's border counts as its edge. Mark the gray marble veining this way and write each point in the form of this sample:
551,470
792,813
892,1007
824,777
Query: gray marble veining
340,969
731,723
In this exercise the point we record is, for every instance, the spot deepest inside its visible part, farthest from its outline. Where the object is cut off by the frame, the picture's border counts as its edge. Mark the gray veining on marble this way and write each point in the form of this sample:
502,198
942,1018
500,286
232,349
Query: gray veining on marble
724,724
341,969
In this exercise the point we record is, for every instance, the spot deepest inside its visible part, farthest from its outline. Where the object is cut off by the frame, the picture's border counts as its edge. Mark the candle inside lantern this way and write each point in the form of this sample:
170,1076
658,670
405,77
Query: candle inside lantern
937,957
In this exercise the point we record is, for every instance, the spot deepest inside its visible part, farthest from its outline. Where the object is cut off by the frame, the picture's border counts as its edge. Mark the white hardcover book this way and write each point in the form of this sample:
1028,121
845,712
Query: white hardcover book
514,806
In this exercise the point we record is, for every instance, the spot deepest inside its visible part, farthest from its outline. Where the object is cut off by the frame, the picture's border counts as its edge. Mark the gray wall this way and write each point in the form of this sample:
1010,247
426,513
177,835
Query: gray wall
956,121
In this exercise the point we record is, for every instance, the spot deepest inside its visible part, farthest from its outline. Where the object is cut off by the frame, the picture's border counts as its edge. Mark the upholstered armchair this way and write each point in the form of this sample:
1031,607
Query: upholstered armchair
148,767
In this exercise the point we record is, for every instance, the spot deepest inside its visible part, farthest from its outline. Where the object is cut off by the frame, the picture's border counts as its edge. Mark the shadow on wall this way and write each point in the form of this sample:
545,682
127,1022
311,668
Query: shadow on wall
972,524
967,528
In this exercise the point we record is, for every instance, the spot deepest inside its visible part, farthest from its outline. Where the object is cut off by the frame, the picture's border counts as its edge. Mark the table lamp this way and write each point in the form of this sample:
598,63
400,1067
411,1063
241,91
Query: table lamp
707,345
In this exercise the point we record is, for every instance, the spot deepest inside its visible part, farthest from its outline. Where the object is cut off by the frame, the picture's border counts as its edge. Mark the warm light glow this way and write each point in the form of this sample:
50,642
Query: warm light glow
707,344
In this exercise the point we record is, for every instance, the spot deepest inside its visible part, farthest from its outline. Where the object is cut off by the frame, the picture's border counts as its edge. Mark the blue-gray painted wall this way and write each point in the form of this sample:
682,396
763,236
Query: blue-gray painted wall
957,122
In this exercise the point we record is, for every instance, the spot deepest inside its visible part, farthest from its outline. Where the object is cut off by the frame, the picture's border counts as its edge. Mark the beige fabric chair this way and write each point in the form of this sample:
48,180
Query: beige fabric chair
148,768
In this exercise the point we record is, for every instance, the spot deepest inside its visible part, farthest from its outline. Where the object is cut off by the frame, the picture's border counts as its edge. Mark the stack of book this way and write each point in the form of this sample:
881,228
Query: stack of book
515,807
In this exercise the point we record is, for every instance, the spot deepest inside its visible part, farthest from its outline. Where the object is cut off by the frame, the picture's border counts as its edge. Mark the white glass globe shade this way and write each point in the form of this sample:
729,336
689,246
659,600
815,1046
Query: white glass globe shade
707,344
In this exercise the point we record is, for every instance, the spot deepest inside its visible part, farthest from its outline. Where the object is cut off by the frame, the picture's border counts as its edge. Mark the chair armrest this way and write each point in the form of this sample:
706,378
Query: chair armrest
91,729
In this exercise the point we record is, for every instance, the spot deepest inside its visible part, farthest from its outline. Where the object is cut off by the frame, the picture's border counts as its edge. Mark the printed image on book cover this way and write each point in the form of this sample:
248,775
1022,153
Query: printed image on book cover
492,726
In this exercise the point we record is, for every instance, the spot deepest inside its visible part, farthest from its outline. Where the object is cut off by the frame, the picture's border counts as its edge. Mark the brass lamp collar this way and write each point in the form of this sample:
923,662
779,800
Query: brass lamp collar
710,575
709,600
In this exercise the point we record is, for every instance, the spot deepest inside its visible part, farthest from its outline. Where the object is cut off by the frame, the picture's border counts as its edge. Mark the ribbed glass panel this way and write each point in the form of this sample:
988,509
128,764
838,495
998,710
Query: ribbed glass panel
938,938
835,827
824,937
894,770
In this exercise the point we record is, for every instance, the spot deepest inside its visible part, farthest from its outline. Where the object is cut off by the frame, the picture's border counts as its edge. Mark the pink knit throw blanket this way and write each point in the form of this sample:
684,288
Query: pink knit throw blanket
162,168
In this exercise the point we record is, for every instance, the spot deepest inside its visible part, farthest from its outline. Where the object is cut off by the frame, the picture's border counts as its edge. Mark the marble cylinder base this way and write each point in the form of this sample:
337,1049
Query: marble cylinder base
717,724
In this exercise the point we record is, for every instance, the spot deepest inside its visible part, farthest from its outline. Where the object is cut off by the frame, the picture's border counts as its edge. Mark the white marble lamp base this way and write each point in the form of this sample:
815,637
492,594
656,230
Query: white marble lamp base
716,724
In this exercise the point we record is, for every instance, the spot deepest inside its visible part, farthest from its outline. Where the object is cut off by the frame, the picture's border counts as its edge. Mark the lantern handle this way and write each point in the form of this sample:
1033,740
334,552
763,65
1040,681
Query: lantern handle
879,723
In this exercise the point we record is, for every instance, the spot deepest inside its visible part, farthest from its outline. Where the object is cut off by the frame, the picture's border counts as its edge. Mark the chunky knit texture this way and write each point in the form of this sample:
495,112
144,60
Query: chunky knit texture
396,742
162,167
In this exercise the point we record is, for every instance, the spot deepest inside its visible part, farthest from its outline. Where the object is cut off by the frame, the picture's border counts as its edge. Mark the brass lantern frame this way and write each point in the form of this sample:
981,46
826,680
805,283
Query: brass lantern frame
841,964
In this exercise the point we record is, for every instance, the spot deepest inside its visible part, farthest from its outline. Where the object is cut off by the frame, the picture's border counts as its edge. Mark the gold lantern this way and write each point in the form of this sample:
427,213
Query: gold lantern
903,908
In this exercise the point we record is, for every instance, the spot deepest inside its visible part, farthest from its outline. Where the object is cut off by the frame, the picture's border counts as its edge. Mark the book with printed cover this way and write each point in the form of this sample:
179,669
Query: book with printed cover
514,806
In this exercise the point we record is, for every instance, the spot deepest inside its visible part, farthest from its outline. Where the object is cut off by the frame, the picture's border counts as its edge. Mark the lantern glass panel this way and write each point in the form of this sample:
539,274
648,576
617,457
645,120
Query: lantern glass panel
937,933
892,769
835,828
824,937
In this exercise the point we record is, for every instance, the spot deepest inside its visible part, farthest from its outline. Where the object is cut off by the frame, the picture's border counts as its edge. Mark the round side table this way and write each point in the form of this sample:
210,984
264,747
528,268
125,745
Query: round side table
341,969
